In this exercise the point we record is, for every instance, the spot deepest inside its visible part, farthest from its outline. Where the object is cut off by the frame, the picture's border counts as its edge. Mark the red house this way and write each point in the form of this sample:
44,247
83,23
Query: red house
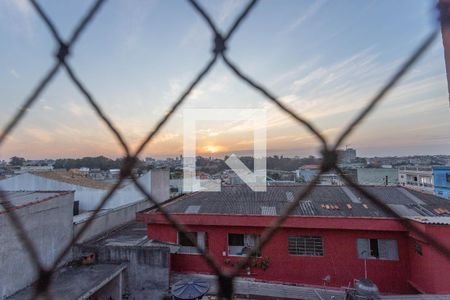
331,236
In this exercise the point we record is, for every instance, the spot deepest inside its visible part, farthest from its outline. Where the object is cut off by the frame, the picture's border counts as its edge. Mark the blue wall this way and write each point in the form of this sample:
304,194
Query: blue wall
441,177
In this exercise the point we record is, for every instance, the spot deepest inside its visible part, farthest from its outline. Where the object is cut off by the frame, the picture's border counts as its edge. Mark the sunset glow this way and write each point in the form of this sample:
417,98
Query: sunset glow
212,149
135,78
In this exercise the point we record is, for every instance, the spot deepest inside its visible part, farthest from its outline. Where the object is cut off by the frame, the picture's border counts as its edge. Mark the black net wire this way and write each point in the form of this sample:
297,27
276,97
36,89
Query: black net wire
220,44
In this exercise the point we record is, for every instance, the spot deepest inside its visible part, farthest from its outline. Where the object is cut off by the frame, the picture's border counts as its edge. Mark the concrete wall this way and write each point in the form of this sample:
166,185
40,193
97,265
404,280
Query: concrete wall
49,225
107,219
159,183
156,181
111,291
147,273
377,176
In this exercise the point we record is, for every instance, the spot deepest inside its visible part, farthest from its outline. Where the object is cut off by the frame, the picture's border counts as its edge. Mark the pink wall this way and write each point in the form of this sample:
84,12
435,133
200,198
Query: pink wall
340,259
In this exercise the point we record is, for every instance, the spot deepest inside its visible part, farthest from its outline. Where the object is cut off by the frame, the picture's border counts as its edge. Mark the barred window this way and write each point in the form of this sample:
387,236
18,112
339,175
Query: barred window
305,245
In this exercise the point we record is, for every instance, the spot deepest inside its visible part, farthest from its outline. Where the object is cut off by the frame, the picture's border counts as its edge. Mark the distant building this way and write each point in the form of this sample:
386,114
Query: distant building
347,155
417,178
441,175
307,173
377,176
48,217
330,178
333,233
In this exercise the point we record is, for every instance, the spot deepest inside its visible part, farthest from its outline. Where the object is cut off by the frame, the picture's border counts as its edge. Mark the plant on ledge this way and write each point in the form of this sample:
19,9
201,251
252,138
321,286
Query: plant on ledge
262,263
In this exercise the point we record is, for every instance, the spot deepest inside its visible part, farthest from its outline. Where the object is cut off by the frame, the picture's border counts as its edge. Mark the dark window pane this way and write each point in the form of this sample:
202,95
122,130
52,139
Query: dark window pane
183,239
374,248
235,239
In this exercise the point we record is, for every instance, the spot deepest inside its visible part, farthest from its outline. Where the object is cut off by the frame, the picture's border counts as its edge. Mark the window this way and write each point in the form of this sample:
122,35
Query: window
419,249
241,244
186,246
377,249
447,175
305,245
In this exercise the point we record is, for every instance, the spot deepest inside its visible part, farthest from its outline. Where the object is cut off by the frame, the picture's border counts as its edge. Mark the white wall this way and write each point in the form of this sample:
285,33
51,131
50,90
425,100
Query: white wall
107,219
49,225
156,181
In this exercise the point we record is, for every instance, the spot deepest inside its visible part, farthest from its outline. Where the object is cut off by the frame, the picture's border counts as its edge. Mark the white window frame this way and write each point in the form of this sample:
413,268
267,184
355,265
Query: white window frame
387,249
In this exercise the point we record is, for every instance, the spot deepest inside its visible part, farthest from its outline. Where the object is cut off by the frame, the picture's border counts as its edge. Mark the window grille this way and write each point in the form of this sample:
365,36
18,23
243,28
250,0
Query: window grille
305,245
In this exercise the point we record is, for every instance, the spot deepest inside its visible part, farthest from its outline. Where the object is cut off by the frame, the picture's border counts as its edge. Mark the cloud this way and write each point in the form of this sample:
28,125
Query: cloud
21,6
199,32
77,110
310,12
14,73
19,13
228,9
133,18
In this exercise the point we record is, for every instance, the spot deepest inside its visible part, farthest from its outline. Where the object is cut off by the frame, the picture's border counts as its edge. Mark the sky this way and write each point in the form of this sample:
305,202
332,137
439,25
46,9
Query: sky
324,59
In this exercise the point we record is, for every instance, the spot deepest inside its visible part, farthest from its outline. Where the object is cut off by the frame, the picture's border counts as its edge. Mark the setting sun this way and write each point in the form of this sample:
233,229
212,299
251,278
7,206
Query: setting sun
212,149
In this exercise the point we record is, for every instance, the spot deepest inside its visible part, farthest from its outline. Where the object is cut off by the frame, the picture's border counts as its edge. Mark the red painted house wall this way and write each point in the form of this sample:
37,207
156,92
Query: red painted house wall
430,272
340,259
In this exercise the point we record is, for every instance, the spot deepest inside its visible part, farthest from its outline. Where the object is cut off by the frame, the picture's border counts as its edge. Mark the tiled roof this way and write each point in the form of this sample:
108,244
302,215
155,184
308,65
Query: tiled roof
322,201
75,179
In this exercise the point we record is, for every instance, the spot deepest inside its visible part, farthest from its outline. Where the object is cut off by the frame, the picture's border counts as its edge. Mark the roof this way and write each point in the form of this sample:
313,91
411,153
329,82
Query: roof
76,282
441,168
255,289
432,220
22,199
71,178
322,201
131,235
310,167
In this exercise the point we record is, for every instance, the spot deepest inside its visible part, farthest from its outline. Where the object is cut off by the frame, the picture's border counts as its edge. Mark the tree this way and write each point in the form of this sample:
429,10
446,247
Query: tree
17,161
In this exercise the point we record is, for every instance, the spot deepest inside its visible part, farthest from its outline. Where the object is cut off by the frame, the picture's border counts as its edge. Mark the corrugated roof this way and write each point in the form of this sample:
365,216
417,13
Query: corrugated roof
322,201
432,220
290,196
192,209
268,210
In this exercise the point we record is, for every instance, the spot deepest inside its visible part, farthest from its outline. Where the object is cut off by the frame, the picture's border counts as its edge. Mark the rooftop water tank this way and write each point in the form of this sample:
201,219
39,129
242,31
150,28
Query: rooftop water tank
366,288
